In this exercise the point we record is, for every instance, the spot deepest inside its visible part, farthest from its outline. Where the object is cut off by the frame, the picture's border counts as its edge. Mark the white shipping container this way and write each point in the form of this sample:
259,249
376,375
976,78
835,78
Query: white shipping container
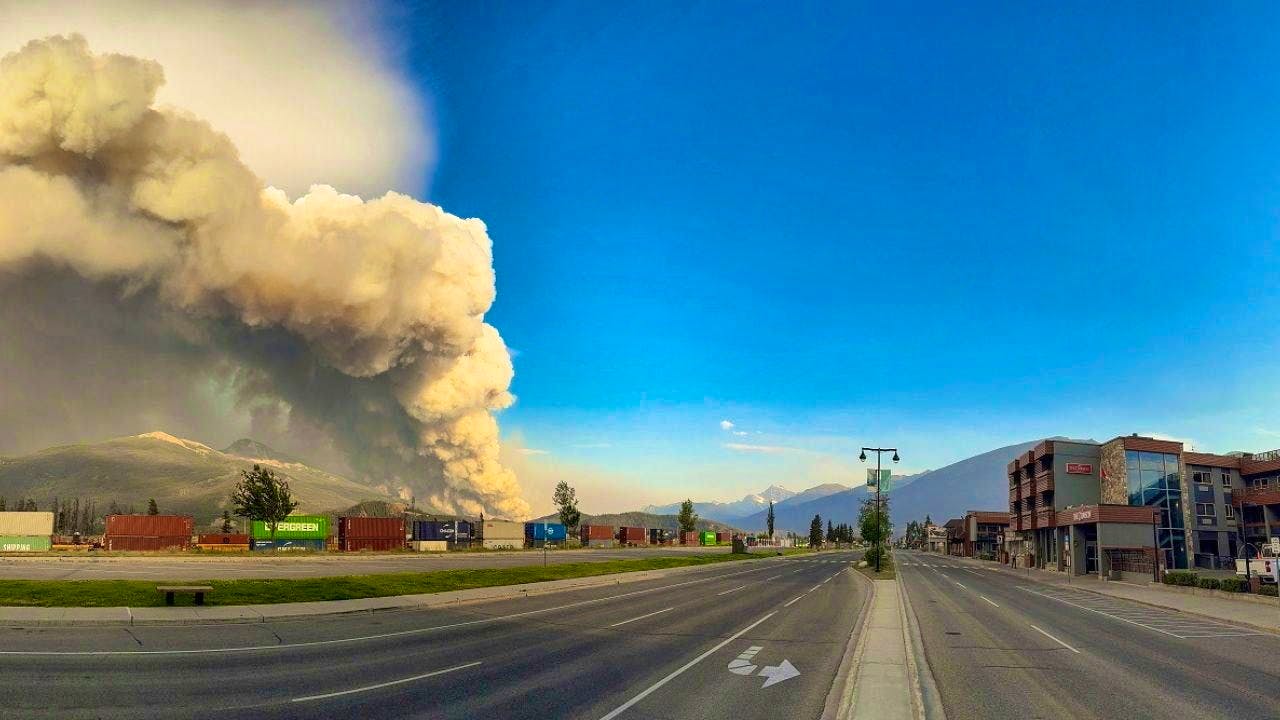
429,545
504,530
26,523
503,543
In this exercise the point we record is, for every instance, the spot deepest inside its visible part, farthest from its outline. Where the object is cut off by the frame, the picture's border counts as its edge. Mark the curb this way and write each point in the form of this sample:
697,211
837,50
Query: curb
1228,621
924,687
12,616
840,698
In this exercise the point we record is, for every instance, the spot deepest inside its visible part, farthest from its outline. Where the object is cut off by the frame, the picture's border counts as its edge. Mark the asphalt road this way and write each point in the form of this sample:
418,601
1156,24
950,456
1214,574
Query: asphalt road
1001,645
195,567
652,649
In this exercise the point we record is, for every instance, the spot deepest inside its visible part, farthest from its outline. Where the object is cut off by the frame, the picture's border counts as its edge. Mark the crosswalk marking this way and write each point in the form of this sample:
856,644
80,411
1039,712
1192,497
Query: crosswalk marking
1172,622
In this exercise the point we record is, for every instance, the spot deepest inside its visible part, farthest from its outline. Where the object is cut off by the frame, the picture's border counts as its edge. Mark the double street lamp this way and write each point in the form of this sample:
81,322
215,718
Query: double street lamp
863,457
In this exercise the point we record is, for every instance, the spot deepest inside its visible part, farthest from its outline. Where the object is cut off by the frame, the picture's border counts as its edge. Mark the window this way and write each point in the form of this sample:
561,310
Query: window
1229,512
1201,477
1205,510
1226,478
1154,480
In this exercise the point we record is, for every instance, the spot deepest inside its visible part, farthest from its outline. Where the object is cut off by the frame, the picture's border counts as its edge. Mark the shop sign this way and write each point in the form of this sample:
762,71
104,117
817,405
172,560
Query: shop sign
1082,515
1080,468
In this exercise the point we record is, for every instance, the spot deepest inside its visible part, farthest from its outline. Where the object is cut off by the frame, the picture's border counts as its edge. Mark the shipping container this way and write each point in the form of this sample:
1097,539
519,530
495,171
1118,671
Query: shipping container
708,537
501,543
362,528
294,527
378,544
428,545
222,539
504,530
659,536
632,536
167,526
140,542
689,538
316,545
722,537
26,524
448,530
586,533
555,532
25,543
214,547
606,543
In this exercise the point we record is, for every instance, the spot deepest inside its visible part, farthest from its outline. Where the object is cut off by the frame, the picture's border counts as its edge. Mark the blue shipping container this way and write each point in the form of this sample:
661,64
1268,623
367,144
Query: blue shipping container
449,530
286,545
555,532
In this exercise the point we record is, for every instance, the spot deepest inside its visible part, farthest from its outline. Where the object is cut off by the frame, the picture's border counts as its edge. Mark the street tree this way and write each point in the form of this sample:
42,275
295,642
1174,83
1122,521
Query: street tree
152,508
227,527
687,518
769,519
874,523
260,495
815,531
566,500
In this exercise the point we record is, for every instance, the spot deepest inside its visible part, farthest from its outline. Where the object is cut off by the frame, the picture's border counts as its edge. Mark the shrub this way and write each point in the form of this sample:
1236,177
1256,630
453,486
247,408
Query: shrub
1180,577
1232,584
1210,583
1269,590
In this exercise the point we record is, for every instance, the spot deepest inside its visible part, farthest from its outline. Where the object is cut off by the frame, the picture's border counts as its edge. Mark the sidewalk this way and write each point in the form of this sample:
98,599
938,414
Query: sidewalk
885,677
1265,616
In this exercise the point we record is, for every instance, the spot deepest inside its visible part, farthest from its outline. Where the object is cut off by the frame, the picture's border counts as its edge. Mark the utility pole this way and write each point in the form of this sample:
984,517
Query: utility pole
863,457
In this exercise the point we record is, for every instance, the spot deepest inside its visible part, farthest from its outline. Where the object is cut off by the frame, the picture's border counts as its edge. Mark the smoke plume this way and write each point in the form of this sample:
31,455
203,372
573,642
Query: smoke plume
135,233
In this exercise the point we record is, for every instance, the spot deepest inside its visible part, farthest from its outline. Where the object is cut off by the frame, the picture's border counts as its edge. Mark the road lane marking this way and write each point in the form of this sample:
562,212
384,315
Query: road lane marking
657,612
367,688
1109,607
1033,627
379,636
648,691
962,585
792,600
775,577
726,592
815,587
984,597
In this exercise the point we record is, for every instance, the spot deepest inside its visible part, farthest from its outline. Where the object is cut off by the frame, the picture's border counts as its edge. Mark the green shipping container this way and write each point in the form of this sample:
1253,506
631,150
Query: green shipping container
294,527
708,538
24,543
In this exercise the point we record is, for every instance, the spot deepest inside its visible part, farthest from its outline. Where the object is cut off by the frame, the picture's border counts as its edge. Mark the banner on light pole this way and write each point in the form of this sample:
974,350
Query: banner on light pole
884,481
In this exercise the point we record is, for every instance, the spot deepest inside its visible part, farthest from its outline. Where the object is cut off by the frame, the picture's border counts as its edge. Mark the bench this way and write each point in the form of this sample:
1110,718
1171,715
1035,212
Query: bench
197,590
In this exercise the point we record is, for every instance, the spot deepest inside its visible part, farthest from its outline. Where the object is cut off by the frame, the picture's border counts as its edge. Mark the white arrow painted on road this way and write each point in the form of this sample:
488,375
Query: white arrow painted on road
778,673
741,665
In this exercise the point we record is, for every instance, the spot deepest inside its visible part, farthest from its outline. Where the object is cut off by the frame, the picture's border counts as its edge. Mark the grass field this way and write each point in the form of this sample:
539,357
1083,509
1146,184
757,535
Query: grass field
138,593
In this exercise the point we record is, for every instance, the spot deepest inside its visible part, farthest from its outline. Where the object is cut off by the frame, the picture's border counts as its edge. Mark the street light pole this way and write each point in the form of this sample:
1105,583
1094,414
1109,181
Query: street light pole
863,457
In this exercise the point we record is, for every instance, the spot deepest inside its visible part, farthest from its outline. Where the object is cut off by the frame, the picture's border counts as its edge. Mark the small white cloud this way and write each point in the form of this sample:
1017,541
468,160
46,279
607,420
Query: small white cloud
726,424
534,451
740,433
768,449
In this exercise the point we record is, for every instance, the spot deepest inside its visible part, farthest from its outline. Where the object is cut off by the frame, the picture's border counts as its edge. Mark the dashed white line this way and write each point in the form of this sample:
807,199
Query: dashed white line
984,597
962,585
775,577
726,592
309,698
1033,627
792,600
656,612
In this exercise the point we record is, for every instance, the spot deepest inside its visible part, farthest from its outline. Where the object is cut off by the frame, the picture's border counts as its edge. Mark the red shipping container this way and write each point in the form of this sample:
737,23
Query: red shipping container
722,537
150,526
354,528
633,536
138,542
380,544
596,532
222,539
689,538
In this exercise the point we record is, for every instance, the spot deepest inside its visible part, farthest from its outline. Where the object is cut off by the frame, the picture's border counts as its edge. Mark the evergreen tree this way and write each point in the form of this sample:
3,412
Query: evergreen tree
815,532
831,534
769,519
227,527
687,518
152,508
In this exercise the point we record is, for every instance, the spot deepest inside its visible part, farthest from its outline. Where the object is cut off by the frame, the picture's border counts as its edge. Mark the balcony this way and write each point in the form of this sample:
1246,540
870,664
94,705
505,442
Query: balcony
1046,518
1013,494
1025,490
1026,521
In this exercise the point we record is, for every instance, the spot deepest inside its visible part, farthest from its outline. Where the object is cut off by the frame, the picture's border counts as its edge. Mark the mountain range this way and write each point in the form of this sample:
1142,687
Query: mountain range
975,483
184,476
728,511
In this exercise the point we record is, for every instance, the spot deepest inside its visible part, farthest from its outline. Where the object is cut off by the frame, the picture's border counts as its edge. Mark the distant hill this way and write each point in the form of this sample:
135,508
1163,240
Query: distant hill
976,483
254,450
813,493
640,519
728,511
184,476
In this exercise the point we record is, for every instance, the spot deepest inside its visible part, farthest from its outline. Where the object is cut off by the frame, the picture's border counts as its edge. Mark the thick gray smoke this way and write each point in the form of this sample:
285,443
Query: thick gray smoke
133,238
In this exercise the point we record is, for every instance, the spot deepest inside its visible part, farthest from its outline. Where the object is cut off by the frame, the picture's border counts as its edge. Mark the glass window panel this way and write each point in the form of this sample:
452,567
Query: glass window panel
1165,539
1152,461
1151,479
1171,472
1179,549
1154,496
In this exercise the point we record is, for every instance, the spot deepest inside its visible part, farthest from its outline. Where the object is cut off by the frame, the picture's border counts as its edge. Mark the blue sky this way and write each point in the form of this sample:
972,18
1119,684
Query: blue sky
837,224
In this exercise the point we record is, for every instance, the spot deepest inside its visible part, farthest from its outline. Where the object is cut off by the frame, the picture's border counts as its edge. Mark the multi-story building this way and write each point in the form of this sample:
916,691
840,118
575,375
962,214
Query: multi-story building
977,534
1094,507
